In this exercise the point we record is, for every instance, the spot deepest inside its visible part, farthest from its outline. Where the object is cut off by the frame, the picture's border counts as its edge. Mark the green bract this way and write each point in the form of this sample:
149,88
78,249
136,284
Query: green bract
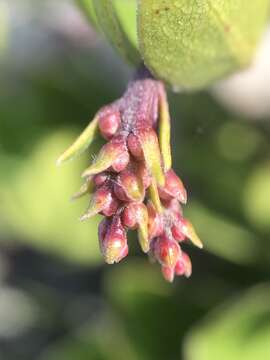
187,43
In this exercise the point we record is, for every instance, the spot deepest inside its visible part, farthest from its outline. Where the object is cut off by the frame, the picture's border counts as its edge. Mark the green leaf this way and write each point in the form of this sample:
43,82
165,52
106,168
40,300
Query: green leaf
88,8
191,43
238,330
117,19
126,11
187,43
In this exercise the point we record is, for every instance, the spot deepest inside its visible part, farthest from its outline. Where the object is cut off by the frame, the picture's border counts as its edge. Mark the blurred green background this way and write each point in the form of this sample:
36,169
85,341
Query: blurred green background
58,301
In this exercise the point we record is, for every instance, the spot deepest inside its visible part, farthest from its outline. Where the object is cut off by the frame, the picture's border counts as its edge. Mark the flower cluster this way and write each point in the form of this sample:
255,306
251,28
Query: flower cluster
131,181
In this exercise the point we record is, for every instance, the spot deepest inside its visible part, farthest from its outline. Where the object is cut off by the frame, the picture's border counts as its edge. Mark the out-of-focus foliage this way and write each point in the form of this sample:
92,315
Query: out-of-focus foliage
222,157
257,190
57,300
3,26
219,234
35,202
240,329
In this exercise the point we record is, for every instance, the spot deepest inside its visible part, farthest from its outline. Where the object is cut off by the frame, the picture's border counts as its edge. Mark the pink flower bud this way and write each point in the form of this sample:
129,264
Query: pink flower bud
111,207
100,179
168,273
121,162
129,186
134,146
155,223
174,207
114,154
173,188
120,192
179,268
143,174
128,217
113,240
177,227
177,233
183,266
100,201
109,121
185,227
167,251
103,228
135,216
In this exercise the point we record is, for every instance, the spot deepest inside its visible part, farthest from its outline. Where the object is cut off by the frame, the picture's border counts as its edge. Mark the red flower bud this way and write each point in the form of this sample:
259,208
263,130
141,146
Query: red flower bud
183,266
121,162
109,121
177,233
120,193
143,174
113,240
134,146
155,223
185,227
111,207
173,188
167,251
131,184
168,273
135,215
101,201
177,228
129,218
100,179
174,207
114,154
179,268
103,228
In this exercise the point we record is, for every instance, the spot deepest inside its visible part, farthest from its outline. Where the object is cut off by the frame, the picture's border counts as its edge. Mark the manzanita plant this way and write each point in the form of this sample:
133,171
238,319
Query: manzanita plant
186,44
